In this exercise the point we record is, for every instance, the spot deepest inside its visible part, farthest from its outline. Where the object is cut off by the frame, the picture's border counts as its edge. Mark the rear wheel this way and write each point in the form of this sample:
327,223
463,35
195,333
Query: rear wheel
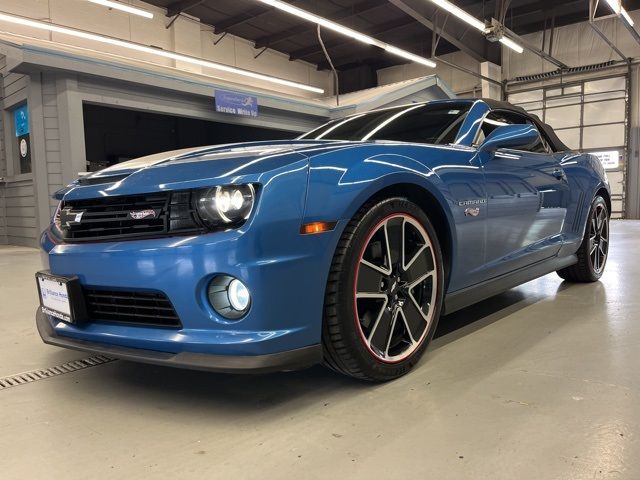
594,250
384,292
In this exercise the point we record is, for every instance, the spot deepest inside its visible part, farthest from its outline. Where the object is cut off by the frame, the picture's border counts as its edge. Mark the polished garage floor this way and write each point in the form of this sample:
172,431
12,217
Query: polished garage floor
542,382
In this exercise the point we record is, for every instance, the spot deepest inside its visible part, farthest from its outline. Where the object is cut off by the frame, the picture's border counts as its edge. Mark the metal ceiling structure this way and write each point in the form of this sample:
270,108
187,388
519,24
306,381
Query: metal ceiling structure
418,26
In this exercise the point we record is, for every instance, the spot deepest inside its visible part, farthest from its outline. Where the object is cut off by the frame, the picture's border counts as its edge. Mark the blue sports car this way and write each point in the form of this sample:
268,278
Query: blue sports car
343,246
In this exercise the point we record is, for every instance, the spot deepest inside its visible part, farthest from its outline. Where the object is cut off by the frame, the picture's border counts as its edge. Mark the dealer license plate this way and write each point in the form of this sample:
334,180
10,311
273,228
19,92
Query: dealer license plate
54,296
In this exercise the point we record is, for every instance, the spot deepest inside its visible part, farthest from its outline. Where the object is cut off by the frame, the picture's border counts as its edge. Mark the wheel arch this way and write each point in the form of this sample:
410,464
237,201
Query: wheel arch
604,193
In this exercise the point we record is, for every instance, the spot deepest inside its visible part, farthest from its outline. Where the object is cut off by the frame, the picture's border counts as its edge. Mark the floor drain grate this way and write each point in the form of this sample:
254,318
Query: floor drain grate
41,374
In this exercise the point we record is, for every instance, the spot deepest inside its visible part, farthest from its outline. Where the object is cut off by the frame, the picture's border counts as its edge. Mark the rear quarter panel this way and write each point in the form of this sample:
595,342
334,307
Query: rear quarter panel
586,176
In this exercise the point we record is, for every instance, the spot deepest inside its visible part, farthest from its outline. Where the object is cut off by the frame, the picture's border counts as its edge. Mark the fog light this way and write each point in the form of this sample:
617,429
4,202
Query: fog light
229,297
238,295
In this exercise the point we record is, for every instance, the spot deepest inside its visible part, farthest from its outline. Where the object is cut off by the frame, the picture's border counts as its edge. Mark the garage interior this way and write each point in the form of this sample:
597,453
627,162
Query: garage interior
115,135
537,382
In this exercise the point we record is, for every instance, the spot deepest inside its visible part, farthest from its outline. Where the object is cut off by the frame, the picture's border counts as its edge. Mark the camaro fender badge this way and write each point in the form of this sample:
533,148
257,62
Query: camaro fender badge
140,214
472,212
479,201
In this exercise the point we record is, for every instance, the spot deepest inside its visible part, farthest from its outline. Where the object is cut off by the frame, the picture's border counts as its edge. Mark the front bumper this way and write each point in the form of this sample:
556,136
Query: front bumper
291,360
286,273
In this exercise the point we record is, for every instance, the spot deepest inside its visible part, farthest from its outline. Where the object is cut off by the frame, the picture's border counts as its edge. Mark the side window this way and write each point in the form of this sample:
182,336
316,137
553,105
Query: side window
495,119
492,121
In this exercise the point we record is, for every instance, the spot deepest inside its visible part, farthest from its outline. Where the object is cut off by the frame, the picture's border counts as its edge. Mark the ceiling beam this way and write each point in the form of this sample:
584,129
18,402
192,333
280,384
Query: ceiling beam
357,9
373,31
230,22
471,42
176,8
543,8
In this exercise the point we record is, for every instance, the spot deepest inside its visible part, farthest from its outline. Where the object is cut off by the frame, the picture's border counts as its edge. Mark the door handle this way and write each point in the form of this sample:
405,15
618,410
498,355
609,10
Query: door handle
558,173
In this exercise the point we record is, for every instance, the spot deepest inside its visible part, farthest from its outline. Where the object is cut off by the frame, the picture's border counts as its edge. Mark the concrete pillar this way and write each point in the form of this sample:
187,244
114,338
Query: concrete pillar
632,194
491,90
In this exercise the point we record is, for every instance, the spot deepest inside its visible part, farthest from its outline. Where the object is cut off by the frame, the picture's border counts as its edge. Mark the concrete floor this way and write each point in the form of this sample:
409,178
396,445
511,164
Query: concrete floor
541,382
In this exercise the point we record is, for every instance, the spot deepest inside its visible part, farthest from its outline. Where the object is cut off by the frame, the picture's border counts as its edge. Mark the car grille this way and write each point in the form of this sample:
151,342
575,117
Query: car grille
134,216
136,308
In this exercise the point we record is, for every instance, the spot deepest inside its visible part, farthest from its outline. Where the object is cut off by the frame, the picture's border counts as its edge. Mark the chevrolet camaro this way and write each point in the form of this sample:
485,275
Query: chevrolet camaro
344,246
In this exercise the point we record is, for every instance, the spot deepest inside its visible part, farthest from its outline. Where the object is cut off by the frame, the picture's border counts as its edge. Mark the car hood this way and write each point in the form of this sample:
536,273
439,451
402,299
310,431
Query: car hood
198,167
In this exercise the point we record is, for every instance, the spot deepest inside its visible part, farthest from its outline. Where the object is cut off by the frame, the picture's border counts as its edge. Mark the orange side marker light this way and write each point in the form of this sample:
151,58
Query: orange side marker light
317,227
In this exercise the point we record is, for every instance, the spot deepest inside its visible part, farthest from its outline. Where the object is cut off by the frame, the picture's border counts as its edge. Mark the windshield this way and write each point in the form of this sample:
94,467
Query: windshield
436,123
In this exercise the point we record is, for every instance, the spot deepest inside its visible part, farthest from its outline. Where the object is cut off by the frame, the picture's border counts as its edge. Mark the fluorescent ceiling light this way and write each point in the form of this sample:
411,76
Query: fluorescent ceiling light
460,13
626,16
618,9
511,44
474,22
72,32
124,8
298,12
336,27
615,5
409,56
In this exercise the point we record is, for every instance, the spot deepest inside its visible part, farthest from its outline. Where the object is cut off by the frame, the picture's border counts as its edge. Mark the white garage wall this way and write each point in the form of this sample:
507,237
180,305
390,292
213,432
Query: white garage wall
588,114
186,36
575,45
461,83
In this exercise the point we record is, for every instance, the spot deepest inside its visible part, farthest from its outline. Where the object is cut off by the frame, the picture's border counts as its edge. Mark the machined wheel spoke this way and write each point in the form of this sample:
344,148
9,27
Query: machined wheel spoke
415,318
406,325
418,266
391,330
422,278
370,278
601,220
393,231
603,251
382,330
592,247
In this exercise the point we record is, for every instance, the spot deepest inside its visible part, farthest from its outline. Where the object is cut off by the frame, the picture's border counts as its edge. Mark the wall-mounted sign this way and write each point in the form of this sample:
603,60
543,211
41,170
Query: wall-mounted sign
21,120
610,158
236,103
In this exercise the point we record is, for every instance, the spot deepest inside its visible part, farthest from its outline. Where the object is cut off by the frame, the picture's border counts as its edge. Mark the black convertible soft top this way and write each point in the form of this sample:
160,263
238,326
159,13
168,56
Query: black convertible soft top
556,143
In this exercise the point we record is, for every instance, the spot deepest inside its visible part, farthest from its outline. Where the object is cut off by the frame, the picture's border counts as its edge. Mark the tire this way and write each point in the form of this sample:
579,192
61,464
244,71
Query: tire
594,249
382,302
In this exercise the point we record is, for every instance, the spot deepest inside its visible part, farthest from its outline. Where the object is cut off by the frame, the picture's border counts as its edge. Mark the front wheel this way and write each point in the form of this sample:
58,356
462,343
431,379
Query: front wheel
384,292
594,250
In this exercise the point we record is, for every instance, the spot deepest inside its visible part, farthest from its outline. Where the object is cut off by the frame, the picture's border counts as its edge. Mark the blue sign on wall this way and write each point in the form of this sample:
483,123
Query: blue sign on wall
21,120
236,103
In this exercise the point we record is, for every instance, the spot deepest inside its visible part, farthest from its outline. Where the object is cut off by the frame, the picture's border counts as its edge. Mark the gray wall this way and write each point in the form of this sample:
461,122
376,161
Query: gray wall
18,202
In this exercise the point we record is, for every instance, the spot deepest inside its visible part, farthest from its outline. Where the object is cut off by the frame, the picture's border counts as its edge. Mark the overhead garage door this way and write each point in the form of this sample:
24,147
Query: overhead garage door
590,116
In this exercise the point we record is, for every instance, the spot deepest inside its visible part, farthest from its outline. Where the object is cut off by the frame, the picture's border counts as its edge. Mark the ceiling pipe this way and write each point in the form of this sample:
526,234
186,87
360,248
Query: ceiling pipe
497,30
593,4
469,71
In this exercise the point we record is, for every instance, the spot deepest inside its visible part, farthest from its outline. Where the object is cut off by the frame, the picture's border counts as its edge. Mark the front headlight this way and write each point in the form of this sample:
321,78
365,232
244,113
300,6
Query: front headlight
228,205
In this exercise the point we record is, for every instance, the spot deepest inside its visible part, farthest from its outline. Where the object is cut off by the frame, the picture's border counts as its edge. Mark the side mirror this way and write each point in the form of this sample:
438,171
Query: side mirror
510,136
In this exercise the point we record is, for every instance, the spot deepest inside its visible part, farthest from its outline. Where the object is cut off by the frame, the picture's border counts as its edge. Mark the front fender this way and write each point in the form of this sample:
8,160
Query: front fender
339,187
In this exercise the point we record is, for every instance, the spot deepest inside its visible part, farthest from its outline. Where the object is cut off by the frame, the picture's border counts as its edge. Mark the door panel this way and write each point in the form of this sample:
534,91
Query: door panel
527,195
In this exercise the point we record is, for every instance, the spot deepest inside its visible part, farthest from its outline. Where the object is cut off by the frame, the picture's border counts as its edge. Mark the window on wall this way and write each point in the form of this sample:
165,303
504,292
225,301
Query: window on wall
22,143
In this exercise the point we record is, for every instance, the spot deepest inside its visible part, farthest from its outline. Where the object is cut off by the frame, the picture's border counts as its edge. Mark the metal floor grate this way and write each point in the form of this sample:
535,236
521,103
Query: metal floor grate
41,374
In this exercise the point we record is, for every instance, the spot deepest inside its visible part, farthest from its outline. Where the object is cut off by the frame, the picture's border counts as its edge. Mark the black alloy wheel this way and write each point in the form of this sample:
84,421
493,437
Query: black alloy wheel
384,293
594,250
